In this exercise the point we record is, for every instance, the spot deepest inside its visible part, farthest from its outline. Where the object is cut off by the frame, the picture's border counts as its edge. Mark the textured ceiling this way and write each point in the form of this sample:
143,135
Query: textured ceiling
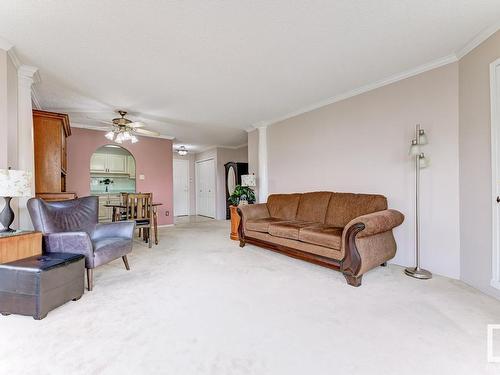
203,71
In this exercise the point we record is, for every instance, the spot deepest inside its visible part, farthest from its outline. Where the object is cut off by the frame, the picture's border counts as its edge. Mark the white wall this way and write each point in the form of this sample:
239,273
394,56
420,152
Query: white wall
361,145
475,165
8,121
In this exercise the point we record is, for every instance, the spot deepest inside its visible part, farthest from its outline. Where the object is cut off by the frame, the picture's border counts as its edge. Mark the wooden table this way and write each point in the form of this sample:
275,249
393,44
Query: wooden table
19,244
116,206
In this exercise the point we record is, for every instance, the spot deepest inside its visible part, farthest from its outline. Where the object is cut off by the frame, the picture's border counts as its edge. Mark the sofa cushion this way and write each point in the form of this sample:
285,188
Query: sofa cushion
344,207
297,245
287,229
322,235
313,206
261,225
283,206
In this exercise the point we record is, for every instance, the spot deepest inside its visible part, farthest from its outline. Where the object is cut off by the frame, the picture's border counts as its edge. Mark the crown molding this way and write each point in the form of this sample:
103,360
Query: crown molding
211,147
5,45
363,89
477,40
90,127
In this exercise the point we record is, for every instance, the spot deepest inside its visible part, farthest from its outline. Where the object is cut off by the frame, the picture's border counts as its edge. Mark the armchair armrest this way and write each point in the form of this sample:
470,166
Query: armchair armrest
377,222
68,242
123,229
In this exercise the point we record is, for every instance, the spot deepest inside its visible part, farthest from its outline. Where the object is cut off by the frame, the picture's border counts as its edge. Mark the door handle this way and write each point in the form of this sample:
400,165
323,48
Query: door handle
498,199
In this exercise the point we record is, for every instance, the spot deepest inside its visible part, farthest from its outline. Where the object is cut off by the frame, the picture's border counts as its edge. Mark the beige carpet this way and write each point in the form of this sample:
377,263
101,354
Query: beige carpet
198,304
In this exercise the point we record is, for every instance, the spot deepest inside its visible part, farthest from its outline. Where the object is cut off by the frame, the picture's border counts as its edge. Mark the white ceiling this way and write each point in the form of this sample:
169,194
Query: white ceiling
203,71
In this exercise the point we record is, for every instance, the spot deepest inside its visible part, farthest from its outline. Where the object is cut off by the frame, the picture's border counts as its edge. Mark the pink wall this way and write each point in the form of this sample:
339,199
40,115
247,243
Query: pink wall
153,157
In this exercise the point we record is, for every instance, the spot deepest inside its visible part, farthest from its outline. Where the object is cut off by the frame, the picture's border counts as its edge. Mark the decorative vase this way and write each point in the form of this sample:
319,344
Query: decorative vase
235,222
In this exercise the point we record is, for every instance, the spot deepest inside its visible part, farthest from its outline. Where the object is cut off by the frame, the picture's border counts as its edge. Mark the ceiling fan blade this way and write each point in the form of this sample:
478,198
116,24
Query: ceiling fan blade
106,122
137,124
146,132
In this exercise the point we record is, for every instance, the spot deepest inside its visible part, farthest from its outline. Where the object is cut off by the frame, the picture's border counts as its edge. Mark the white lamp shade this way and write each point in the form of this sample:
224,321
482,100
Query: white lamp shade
15,183
424,162
414,150
248,180
423,139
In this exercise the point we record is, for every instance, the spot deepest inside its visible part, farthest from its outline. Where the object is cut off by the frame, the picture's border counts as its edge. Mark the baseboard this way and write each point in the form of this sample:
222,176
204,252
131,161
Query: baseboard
165,225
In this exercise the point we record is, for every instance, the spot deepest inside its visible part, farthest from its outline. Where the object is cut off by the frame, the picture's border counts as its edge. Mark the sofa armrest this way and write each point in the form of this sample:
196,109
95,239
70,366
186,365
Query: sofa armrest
68,242
253,211
248,212
367,242
377,222
122,229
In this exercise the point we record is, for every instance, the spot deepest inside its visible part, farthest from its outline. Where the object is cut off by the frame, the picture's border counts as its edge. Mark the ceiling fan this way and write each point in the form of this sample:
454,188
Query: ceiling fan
126,130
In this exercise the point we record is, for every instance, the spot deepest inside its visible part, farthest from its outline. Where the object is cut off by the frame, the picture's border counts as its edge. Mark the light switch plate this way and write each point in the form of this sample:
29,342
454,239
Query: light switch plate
141,177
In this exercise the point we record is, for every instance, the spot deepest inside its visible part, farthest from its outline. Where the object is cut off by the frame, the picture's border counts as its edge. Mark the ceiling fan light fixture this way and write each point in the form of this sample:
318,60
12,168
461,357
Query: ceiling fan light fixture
119,138
134,139
110,135
182,151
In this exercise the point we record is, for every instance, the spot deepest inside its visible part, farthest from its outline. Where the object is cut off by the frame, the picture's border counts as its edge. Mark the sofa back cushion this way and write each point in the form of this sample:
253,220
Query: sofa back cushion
313,206
283,206
344,207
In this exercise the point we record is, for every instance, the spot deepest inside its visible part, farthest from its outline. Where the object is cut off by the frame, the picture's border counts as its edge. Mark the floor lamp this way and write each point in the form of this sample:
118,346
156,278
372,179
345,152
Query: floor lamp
420,162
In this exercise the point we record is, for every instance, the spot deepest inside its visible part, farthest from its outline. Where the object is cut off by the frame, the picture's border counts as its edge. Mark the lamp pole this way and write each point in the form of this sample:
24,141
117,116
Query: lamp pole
416,271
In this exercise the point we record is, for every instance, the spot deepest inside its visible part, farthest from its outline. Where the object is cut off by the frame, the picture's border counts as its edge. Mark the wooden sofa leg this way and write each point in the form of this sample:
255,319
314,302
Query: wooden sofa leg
383,264
125,261
242,243
353,280
90,279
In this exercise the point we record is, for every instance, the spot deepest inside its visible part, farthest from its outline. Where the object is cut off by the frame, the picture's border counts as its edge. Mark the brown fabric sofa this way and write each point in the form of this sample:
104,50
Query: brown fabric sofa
344,231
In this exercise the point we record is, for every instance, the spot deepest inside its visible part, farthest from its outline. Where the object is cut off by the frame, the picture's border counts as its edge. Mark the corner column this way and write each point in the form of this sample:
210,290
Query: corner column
26,75
263,174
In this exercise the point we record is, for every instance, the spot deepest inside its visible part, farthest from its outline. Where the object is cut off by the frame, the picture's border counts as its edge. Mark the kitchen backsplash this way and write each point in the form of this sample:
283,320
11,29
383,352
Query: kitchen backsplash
120,184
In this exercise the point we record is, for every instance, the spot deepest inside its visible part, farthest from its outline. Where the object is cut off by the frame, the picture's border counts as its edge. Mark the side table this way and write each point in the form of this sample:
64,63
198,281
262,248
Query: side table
19,244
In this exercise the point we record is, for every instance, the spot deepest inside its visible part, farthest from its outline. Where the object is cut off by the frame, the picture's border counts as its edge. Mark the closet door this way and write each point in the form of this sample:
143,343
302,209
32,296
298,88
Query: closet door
205,188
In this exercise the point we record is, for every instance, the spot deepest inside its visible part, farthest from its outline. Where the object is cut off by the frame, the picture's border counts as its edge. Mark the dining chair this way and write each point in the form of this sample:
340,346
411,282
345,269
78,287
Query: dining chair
139,207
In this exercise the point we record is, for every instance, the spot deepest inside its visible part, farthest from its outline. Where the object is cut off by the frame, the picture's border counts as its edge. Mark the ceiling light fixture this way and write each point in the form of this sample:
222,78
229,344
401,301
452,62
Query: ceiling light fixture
182,151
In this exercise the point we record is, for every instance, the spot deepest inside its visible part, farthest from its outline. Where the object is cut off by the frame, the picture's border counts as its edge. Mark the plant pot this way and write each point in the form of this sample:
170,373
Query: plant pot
235,222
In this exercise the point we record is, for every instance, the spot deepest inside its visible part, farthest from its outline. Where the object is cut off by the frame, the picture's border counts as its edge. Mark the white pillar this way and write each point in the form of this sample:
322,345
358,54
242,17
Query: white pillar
263,177
4,125
26,149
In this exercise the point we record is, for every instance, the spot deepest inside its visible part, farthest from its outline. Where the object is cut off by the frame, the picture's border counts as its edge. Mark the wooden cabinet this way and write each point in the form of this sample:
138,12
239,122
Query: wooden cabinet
108,163
98,163
50,197
234,171
50,131
117,163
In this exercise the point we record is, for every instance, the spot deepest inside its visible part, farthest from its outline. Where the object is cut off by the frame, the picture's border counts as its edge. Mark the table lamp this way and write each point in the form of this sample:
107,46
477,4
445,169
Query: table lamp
13,183
248,180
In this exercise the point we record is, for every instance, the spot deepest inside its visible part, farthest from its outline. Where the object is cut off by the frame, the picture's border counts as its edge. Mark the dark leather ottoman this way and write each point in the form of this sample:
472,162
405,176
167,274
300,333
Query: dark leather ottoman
36,285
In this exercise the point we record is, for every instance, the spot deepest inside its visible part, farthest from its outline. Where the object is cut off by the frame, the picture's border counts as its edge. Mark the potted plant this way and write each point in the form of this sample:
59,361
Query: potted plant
241,195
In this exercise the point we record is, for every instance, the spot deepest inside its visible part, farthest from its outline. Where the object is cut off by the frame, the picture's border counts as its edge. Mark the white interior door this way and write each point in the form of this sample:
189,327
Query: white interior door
205,188
181,187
